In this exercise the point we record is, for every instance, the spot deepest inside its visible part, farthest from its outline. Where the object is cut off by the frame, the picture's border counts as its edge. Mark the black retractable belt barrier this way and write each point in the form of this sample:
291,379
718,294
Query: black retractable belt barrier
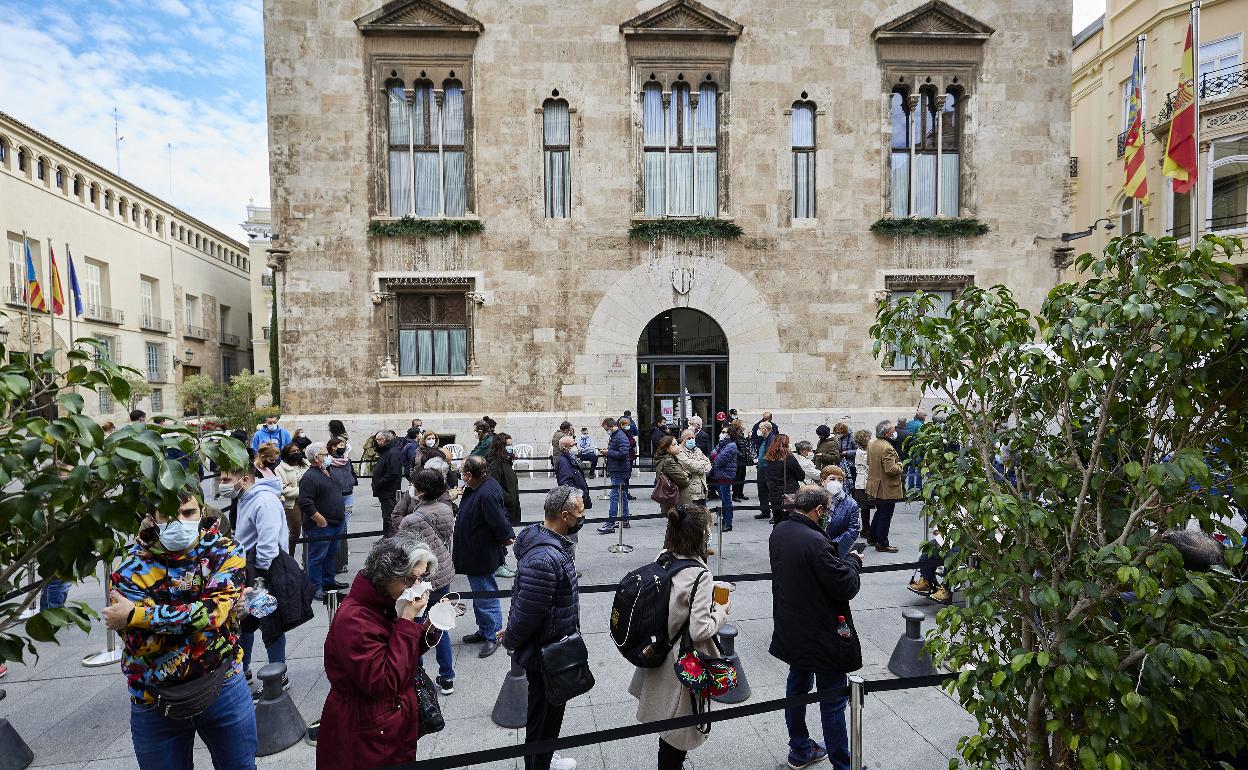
475,758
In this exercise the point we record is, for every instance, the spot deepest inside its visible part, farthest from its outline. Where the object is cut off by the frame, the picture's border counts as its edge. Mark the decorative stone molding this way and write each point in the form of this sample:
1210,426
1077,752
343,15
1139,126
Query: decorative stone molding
681,19
934,22
419,17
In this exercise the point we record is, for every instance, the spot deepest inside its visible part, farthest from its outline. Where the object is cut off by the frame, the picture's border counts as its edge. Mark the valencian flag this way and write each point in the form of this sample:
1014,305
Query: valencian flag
1136,184
58,298
1180,160
74,291
34,295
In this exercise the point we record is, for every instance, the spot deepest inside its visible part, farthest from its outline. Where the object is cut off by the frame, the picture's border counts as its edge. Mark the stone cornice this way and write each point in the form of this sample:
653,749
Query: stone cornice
681,19
419,17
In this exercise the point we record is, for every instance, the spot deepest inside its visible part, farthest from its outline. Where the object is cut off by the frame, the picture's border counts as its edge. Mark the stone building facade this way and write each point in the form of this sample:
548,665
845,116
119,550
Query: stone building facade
563,125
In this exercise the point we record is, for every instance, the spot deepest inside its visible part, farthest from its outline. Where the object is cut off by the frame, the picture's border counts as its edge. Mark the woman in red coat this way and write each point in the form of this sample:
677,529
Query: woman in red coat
372,652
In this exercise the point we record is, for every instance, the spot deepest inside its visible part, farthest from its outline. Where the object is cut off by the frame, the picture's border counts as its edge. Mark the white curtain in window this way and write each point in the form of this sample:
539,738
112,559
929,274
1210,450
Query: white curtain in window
803,126
899,184
652,116
459,351
557,184
419,105
924,185
441,351
407,352
453,116
680,175
424,351
680,102
802,169
555,123
426,191
706,121
398,116
949,184
456,191
654,183
400,183
708,180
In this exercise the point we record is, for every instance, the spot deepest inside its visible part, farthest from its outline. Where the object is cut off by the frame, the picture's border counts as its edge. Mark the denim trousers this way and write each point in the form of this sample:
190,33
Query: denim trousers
831,714
489,612
54,595
882,520
321,555
725,503
443,649
275,650
228,729
619,499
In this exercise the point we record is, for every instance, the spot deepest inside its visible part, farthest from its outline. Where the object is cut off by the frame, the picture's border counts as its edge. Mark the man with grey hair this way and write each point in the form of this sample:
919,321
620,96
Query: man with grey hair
481,535
545,608
884,482
387,476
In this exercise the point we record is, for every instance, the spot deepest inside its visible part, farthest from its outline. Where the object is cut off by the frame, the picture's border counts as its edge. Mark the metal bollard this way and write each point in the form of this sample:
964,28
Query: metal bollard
279,725
332,599
620,546
110,654
856,691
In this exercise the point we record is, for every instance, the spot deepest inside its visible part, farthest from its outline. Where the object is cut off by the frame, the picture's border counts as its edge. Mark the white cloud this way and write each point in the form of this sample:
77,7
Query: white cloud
218,134
1085,13
173,8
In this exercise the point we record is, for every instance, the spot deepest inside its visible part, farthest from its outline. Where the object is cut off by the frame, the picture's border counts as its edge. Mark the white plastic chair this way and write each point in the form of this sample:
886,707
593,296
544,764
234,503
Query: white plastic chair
457,454
522,454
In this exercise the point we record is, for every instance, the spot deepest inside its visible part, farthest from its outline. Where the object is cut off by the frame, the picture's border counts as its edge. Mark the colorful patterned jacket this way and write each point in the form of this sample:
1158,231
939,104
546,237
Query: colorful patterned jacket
183,623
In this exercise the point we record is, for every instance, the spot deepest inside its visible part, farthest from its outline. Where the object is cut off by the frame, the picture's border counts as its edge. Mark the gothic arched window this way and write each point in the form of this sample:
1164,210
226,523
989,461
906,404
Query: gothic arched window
556,145
803,160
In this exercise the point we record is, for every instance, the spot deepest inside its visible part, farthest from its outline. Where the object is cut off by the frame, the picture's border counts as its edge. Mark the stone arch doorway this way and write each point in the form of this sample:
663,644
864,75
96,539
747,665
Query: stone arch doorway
682,369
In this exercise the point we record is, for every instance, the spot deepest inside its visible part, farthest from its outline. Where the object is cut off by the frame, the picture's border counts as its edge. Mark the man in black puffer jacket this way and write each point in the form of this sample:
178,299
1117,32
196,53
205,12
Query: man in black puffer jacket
545,606
387,476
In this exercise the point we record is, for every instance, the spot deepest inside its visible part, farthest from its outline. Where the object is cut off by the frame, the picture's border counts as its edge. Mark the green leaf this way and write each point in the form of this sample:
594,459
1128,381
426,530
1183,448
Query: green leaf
1115,761
72,402
1183,290
1087,757
998,678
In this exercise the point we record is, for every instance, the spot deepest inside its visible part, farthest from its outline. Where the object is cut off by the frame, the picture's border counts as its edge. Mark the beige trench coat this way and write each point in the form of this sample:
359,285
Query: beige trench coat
697,465
659,694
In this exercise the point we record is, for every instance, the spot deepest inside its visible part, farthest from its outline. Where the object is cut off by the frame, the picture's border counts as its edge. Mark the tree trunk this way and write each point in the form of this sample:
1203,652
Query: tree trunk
1037,737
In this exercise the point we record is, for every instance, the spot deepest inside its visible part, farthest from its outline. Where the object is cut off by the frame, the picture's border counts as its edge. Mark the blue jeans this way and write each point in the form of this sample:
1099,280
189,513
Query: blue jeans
321,555
831,713
443,649
489,612
881,520
228,729
619,496
725,503
914,476
276,651
54,595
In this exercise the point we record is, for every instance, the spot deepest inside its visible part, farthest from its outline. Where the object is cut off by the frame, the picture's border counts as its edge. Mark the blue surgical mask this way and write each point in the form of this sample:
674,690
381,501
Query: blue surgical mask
178,535
690,444
510,450
326,462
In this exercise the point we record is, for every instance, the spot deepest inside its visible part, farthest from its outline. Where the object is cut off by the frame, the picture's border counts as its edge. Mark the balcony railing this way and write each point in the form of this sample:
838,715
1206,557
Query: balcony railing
230,339
1213,85
108,315
154,323
264,331
195,332
1122,144
14,296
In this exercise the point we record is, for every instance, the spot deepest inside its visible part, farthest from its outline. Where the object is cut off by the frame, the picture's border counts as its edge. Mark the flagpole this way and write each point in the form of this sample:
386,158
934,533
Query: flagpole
50,302
1194,195
30,324
70,303
1139,53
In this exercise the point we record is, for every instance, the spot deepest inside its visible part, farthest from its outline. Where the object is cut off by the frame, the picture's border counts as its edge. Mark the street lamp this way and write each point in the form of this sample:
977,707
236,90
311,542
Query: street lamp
1068,237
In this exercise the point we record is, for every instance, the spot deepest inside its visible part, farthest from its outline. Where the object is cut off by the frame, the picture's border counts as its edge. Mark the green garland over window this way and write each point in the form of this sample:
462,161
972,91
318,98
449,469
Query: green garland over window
701,227
423,228
931,227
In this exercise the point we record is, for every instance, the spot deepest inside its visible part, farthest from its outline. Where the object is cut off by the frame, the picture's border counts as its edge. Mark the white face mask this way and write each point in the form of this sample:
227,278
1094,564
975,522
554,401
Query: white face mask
431,443
836,488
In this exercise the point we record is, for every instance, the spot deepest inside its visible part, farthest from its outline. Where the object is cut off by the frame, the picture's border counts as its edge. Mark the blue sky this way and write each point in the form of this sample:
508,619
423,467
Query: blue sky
189,73
184,72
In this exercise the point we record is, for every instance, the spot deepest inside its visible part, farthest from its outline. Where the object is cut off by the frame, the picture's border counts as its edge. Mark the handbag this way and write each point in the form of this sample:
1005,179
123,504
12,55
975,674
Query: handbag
705,676
189,699
565,669
665,493
429,711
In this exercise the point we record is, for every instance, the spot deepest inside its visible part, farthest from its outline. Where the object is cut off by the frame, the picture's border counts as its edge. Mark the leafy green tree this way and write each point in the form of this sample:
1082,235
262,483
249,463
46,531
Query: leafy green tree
1072,441
71,497
200,393
139,388
236,408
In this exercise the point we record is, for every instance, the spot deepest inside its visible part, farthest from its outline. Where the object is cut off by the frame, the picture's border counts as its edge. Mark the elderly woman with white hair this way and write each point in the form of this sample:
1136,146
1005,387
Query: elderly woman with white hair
372,653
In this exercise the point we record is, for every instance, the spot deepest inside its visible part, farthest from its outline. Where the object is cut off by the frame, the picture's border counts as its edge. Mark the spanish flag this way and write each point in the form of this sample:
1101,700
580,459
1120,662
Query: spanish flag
58,298
1180,159
34,295
1136,184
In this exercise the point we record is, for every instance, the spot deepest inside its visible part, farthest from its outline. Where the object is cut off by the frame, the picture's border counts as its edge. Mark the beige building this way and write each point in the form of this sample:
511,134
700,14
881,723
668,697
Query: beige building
537,134
167,294
1103,56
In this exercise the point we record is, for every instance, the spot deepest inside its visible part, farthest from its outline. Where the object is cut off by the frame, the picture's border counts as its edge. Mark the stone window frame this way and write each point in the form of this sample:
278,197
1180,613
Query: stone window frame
804,101
570,149
383,68
954,281
668,71
387,287
936,80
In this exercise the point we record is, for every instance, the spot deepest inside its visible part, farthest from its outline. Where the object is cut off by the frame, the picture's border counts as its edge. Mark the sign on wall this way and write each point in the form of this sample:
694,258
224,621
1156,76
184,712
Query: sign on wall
667,407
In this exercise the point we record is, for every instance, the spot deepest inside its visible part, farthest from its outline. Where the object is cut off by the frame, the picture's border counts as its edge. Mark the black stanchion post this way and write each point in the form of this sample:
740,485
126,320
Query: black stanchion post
14,753
332,599
728,643
279,725
909,658
511,709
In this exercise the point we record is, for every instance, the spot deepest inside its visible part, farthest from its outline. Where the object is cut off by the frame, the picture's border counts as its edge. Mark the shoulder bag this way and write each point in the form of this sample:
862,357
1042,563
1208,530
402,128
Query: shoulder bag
705,677
430,713
187,700
665,493
565,668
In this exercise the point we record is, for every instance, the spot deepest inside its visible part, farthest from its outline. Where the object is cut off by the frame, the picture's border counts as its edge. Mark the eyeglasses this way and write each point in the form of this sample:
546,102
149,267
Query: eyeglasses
410,581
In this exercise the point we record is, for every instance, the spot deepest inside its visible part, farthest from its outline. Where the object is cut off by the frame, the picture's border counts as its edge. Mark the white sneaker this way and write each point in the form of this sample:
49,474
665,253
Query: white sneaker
562,763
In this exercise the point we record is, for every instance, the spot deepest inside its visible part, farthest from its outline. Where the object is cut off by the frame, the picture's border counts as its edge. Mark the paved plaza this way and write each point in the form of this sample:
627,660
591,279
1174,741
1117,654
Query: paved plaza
74,717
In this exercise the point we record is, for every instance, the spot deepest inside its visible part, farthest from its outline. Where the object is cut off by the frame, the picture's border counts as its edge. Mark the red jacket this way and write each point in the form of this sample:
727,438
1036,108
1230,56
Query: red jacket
370,717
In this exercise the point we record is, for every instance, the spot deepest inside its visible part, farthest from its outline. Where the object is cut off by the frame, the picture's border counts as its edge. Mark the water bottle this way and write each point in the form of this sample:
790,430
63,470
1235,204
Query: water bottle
261,603
842,628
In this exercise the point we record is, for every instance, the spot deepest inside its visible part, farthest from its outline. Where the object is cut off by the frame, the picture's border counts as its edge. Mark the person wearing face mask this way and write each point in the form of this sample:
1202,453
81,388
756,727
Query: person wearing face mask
844,523
387,475
343,472
696,464
700,434
499,466
545,608
806,458
724,472
372,652
270,433
482,535
668,466
172,601
587,451
427,516
884,482
300,439
484,429
619,458
292,467
324,515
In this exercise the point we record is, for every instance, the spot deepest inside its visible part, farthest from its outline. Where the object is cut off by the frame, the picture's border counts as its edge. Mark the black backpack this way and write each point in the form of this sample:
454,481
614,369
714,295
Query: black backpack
639,613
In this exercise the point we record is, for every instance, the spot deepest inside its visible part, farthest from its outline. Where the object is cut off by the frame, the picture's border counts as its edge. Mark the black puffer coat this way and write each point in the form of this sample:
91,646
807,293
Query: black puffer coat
810,587
546,605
